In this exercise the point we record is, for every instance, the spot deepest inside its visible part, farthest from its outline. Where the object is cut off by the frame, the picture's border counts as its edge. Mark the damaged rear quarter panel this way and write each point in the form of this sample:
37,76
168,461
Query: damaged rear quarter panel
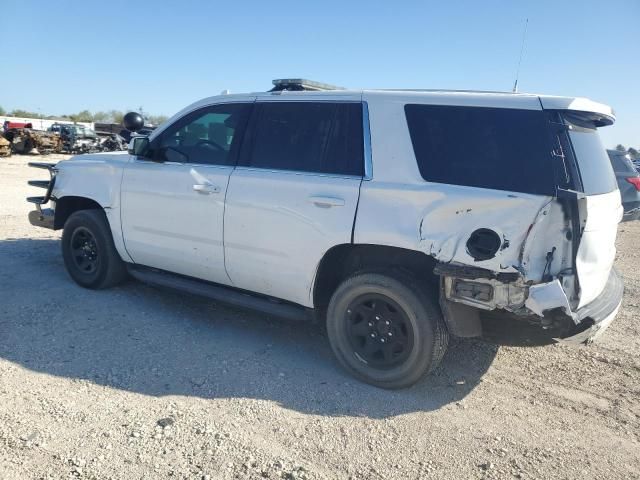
438,219
399,208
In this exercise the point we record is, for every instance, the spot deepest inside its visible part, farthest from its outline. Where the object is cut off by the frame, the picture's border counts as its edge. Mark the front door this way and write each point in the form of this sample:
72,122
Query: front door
173,198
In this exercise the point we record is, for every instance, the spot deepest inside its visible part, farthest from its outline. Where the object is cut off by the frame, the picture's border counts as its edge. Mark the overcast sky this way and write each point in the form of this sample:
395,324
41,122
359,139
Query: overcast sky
65,56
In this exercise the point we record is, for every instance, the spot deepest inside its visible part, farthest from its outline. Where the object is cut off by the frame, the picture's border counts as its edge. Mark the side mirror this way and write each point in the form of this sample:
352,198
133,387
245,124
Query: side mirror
138,146
133,121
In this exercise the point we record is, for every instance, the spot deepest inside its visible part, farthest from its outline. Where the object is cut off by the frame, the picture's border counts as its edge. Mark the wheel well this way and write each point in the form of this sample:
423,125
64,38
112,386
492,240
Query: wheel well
68,205
342,261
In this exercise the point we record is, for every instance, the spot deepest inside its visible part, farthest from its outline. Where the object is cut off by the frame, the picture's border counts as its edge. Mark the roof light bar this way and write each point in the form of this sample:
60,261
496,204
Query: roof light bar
301,84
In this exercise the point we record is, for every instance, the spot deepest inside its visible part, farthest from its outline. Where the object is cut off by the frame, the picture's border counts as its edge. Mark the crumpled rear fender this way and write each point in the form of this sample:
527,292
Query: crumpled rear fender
533,230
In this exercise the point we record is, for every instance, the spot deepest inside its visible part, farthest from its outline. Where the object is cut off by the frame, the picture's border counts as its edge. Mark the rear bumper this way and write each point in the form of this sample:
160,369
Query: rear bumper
594,318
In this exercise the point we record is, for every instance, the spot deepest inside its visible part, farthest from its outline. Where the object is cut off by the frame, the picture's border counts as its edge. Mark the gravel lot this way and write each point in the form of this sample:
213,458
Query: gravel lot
136,382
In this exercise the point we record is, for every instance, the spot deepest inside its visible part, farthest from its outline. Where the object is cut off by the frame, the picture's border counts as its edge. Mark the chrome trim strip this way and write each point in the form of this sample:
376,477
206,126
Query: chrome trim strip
366,131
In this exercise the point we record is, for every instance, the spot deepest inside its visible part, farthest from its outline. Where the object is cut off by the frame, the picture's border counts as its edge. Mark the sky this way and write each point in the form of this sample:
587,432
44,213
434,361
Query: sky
66,56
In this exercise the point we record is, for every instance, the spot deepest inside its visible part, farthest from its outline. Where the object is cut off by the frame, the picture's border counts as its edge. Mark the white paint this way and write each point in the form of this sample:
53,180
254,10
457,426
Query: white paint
546,296
276,233
278,225
597,250
168,224
96,176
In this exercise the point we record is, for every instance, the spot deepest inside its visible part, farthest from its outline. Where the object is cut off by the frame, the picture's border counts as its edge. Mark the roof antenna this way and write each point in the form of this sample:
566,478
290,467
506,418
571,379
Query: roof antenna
524,37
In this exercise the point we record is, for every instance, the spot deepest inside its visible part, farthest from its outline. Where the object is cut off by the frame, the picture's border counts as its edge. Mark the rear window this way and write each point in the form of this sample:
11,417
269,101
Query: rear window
496,148
595,168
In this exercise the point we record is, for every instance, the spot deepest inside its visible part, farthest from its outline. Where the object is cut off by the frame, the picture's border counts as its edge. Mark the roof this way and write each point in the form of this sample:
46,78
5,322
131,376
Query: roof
602,114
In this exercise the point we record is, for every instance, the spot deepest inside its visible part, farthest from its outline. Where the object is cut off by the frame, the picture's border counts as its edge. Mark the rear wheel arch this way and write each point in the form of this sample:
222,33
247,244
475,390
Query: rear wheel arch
68,205
342,261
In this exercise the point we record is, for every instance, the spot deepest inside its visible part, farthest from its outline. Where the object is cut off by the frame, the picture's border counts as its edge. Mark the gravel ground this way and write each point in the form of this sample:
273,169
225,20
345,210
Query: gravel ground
136,382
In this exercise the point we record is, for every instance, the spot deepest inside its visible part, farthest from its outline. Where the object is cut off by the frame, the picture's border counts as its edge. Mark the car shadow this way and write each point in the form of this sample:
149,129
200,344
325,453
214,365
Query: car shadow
158,342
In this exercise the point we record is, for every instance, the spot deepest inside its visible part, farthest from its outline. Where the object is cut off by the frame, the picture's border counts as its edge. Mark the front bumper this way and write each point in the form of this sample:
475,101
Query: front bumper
42,218
595,317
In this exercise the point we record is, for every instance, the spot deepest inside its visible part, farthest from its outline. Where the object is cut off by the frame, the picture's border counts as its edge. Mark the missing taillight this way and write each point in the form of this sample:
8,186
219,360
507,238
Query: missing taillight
635,181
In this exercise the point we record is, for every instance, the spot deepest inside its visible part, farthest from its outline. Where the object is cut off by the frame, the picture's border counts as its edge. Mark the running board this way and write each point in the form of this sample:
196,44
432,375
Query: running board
219,293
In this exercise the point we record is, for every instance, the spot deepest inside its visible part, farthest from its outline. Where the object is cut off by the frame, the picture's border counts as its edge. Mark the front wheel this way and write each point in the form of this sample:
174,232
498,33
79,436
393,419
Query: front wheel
386,329
88,250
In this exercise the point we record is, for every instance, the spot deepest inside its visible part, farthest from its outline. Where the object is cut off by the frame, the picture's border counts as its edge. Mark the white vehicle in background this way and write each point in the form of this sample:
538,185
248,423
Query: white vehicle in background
398,217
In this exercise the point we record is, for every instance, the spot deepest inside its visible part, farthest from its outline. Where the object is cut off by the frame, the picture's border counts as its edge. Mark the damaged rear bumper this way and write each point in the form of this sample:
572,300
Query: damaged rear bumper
594,318
467,292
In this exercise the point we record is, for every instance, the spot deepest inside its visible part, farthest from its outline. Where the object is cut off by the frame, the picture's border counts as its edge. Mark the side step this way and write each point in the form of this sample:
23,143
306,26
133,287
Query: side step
228,295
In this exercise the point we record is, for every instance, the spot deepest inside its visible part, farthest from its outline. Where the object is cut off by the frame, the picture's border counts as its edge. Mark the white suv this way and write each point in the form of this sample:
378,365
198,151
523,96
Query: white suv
398,217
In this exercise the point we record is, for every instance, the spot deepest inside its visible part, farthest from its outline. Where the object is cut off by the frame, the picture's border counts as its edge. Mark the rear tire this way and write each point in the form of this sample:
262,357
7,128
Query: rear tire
386,329
89,253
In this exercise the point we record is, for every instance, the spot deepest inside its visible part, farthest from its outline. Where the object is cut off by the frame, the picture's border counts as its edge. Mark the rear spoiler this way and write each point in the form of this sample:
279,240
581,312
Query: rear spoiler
599,114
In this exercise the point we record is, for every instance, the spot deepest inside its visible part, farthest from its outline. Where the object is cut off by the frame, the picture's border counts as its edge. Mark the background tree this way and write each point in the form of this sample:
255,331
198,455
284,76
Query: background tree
2,112
621,148
23,113
116,116
156,119
101,117
634,153
83,116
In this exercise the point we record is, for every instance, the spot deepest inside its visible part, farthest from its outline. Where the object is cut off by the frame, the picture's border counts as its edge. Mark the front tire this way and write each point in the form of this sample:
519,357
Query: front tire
386,329
89,253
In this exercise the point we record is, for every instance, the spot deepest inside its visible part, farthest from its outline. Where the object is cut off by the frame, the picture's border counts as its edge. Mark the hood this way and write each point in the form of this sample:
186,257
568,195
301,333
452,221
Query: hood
103,158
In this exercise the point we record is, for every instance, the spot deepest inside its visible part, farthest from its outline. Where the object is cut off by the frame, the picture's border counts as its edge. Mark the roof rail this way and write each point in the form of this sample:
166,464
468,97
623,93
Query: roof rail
301,84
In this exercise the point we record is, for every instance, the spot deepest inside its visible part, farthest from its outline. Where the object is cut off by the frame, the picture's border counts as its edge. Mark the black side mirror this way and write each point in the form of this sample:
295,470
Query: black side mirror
139,146
133,121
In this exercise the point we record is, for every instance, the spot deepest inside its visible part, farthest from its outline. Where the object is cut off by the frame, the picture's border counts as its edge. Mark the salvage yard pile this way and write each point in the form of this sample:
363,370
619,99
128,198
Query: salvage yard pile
137,383
25,140
5,147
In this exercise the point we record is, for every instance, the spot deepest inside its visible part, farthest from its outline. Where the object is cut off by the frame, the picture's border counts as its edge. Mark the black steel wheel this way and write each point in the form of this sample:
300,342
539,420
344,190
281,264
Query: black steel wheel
386,328
84,250
379,330
88,250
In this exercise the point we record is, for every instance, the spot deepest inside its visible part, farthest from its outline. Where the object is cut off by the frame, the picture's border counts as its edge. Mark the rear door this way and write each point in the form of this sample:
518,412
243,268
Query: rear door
294,194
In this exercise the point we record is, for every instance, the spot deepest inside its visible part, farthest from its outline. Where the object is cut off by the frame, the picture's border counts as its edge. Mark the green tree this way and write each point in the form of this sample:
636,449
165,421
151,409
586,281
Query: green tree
633,152
24,113
157,119
2,111
621,148
83,116
116,116
101,117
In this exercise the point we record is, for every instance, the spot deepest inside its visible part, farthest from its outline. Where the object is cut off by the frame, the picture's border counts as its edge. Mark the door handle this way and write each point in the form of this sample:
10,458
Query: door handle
206,188
326,202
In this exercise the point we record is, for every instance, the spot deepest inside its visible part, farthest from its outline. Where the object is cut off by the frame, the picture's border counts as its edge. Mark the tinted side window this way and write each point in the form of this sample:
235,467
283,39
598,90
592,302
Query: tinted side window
318,137
207,136
496,148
